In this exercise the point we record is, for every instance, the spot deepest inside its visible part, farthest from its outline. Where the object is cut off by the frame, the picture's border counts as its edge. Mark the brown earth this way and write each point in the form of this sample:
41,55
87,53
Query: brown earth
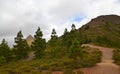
30,56
106,66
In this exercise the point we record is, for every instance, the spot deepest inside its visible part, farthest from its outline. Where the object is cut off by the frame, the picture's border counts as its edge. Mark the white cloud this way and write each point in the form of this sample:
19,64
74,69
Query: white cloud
27,15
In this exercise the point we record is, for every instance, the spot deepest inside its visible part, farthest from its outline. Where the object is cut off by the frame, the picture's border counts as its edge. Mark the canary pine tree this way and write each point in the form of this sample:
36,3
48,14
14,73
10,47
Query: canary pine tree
21,48
54,38
39,44
66,39
5,51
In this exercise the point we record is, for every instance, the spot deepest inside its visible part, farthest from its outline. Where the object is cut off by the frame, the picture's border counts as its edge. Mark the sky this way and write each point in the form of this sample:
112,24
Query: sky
28,15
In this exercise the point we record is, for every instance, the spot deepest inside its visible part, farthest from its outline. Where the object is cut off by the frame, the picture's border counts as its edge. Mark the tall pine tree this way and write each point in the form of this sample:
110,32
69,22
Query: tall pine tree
21,48
5,51
66,39
73,27
54,34
54,38
39,44
65,32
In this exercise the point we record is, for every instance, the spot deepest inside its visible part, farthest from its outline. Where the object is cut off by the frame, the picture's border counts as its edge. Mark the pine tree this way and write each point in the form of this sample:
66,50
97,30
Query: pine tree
5,51
65,32
54,44
21,48
54,34
66,38
73,27
73,31
54,38
39,44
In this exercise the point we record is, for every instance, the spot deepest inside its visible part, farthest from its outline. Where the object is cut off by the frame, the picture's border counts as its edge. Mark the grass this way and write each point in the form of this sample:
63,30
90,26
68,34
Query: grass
116,56
35,66
48,65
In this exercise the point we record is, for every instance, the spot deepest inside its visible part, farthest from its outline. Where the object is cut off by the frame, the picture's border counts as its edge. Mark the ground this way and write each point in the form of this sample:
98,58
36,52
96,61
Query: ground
106,66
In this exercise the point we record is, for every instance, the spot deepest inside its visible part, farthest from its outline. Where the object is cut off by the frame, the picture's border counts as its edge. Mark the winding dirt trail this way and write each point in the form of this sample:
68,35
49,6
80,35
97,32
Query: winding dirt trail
106,66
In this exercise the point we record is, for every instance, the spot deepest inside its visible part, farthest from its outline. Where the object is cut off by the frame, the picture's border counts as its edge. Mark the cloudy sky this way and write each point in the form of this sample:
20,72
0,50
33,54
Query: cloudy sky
27,15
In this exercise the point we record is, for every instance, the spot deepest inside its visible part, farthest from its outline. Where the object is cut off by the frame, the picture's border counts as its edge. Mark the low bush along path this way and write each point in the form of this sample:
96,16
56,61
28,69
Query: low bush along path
106,66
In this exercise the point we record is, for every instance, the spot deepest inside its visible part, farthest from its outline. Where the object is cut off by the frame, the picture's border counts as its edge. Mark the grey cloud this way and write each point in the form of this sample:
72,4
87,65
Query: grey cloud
27,15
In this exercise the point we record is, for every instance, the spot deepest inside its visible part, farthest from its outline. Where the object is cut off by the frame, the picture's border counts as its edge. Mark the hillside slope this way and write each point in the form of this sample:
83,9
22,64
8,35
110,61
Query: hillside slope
103,30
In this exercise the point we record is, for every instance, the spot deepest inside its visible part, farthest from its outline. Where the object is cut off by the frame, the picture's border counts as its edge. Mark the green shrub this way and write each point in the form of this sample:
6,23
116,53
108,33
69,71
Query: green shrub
68,71
91,59
116,56
2,60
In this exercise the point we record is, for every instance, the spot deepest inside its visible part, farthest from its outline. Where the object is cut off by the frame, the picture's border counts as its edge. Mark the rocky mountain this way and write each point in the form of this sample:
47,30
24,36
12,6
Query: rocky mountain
29,40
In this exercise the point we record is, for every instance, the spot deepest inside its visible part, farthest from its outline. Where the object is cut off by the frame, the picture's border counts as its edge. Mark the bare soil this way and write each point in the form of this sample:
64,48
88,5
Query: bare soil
106,66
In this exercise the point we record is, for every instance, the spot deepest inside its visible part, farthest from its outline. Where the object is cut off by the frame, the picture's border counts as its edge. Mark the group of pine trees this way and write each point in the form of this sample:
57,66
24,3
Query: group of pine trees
5,53
58,53
21,49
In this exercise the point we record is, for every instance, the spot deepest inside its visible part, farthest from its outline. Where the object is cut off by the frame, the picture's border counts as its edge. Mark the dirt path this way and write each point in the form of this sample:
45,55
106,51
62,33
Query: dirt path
30,56
106,66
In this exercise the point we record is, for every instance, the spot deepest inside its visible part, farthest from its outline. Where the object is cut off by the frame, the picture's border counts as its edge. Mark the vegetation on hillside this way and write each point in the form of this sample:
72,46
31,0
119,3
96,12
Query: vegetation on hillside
21,48
58,54
116,56
62,53
39,44
103,31
5,53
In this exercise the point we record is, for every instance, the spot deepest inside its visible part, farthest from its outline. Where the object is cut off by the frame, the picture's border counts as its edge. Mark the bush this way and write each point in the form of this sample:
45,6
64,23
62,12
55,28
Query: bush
2,60
91,59
116,56
68,71
56,52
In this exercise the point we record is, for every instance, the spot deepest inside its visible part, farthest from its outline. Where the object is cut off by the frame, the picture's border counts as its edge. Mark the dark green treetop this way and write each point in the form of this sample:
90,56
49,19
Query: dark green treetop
39,44
73,28
54,34
54,38
21,48
5,50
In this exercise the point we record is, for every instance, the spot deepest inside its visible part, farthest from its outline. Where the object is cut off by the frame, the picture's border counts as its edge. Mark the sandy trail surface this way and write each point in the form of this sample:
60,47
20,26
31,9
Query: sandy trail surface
106,66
